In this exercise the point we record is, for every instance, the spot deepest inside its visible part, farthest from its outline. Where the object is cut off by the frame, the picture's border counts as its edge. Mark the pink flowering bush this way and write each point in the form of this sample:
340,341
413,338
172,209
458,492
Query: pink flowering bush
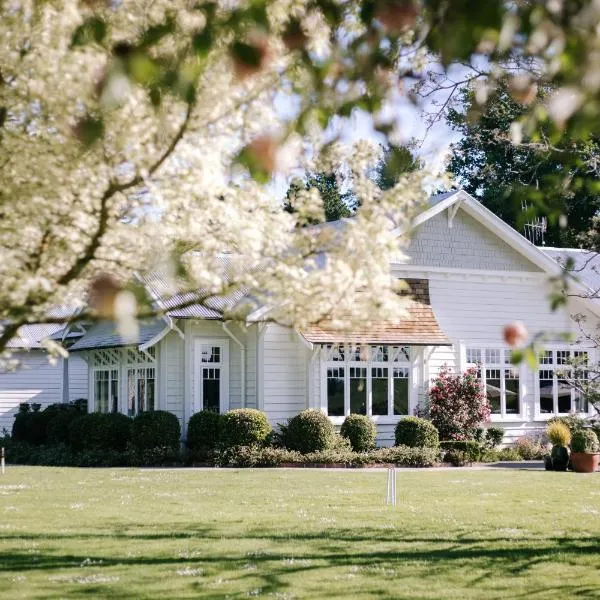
457,404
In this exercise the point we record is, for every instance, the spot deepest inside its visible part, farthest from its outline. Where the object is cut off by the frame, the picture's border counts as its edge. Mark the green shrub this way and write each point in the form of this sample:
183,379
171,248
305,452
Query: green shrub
584,440
155,429
309,431
100,431
558,433
494,436
244,427
255,456
530,449
57,430
489,456
470,448
457,458
361,431
416,433
509,455
203,431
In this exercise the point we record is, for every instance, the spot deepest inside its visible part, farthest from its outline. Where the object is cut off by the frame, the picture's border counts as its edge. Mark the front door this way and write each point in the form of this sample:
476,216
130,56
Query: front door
211,374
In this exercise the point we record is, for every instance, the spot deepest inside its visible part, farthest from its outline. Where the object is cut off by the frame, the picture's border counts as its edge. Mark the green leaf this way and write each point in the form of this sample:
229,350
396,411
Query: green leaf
154,34
88,130
247,54
92,30
202,42
247,159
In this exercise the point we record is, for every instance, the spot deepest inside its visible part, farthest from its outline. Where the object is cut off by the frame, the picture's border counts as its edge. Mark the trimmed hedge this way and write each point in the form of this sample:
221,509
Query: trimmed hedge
253,456
244,427
309,431
471,450
100,431
57,431
203,432
155,429
584,440
416,433
361,431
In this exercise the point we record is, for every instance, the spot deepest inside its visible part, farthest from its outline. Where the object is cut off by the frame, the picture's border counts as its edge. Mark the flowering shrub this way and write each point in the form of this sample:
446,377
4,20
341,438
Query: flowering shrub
457,404
530,448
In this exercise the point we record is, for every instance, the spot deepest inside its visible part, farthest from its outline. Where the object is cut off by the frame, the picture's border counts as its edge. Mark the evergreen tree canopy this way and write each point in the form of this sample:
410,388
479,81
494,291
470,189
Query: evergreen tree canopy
521,181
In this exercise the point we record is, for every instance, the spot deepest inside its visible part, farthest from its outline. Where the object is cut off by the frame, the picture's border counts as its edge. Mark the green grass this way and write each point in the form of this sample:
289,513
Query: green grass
126,533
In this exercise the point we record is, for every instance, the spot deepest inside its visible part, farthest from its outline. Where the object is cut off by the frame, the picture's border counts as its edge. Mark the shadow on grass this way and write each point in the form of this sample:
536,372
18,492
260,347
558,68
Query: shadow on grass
479,558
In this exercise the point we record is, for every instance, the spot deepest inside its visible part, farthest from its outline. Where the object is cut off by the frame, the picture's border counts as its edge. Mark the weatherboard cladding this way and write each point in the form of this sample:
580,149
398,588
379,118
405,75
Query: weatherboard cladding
419,327
105,335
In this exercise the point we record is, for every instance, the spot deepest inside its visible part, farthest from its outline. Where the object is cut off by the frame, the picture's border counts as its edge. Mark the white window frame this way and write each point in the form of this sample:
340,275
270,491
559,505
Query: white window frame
223,365
502,365
136,360
363,356
105,359
555,367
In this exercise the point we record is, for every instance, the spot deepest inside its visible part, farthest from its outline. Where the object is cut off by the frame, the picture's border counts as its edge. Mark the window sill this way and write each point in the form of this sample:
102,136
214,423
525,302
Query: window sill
379,419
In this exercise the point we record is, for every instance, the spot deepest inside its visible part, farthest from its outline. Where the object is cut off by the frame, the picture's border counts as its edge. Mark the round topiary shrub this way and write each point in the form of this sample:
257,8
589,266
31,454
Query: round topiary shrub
203,430
155,429
244,427
584,440
57,430
361,431
100,431
416,433
309,431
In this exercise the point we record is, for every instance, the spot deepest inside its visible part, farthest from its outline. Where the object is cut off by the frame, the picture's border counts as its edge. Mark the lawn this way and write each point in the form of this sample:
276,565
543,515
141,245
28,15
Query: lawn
127,533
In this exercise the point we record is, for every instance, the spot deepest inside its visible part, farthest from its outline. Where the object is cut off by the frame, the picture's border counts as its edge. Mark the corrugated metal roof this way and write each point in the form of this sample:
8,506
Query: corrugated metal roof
164,289
105,335
419,327
586,264
31,336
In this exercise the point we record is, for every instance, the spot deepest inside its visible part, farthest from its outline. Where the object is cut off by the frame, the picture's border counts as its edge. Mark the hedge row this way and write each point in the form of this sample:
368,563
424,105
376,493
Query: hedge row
253,456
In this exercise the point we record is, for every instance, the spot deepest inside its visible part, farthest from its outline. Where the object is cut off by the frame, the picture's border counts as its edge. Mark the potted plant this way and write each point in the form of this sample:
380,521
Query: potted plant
560,436
584,451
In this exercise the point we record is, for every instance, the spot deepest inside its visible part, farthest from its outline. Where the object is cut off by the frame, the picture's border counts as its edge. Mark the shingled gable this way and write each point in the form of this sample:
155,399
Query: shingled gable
418,328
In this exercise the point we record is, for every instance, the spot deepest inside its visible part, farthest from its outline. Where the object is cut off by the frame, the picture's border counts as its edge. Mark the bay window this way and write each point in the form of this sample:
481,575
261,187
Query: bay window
500,379
558,374
367,380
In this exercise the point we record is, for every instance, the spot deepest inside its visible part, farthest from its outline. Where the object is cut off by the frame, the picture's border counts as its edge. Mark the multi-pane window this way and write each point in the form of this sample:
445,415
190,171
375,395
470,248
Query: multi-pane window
106,390
557,378
211,356
367,380
499,377
141,380
141,390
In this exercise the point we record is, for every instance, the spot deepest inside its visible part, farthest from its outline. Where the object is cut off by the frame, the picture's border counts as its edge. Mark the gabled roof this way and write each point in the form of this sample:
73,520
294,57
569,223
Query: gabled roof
419,327
459,199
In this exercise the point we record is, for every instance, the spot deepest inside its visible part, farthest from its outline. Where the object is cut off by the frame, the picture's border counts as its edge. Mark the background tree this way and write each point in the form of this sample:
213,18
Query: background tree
336,204
394,162
518,179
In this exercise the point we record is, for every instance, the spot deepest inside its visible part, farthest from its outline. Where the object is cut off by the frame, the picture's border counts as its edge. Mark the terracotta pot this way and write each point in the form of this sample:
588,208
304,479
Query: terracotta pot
582,462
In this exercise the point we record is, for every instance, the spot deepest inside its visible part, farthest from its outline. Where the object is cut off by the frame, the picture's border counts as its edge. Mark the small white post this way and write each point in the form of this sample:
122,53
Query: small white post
2,460
391,486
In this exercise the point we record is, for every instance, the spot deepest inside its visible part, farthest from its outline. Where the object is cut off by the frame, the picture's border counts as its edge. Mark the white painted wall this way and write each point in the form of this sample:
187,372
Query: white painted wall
36,380
78,377
284,374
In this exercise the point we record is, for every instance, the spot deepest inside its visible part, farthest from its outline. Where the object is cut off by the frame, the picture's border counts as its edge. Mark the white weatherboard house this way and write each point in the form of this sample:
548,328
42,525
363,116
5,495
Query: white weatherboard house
470,274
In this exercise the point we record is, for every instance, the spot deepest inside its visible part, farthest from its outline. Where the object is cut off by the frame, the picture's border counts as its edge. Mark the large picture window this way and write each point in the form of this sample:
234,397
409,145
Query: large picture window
367,380
558,371
499,377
